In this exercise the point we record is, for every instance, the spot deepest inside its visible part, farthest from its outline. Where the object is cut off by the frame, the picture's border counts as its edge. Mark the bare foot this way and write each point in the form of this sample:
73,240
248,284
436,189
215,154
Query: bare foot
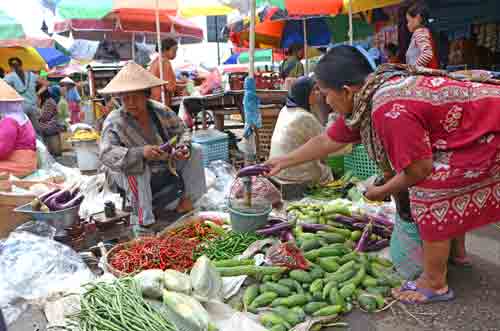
185,206
414,296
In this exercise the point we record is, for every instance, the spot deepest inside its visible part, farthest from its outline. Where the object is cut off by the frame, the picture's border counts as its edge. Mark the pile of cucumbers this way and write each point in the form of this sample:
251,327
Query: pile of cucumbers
337,280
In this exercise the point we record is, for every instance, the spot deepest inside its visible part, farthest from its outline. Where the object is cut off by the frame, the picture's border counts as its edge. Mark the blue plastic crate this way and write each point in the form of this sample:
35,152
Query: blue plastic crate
214,144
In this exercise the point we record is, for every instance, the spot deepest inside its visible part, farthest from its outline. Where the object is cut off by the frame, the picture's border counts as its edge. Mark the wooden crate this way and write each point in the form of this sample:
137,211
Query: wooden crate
290,190
265,133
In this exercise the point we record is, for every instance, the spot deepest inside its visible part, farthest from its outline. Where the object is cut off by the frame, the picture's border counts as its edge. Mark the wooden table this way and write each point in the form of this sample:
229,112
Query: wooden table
231,102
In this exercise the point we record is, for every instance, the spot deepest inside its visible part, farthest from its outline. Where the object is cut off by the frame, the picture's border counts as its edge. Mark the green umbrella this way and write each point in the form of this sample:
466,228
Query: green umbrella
10,28
265,55
84,9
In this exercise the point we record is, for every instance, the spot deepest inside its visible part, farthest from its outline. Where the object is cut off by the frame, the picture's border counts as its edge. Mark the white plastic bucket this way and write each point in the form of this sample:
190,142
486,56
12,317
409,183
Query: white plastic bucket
87,155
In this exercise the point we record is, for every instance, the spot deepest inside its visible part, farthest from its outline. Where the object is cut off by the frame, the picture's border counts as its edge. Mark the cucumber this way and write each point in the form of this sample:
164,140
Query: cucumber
329,264
278,302
313,307
353,256
381,290
263,300
271,318
327,288
343,232
357,279
355,235
281,290
332,251
316,286
295,300
342,277
267,278
332,238
346,267
278,327
328,311
291,317
369,282
250,294
233,263
290,283
317,296
316,273
301,276
308,245
382,261
367,302
250,271
300,313
347,290
312,255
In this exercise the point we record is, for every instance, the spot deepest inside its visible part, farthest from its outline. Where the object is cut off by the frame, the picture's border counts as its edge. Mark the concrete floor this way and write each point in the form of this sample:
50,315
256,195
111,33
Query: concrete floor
476,308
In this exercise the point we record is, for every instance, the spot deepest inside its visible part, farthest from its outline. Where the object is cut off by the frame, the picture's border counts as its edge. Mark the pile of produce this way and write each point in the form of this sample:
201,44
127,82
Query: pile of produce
126,311
337,280
154,253
199,231
85,135
57,200
338,189
228,246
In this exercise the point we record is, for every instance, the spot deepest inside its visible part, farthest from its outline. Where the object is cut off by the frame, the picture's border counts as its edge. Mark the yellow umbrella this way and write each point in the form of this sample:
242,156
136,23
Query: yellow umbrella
193,8
364,5
30,57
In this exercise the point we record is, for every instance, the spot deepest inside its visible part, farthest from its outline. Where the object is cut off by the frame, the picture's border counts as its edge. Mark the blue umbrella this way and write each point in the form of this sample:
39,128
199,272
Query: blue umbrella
53,57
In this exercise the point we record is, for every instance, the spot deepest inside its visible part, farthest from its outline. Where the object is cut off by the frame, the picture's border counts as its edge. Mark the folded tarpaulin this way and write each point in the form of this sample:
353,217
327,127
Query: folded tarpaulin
53,57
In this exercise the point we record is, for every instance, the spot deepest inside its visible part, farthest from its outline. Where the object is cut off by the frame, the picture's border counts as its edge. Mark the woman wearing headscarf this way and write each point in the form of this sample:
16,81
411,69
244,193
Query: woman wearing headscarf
433,134
17,136
295,126
49,124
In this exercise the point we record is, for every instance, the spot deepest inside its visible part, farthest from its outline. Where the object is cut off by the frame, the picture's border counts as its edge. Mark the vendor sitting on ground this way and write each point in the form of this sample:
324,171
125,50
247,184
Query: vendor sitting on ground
295,126
17,136
131,155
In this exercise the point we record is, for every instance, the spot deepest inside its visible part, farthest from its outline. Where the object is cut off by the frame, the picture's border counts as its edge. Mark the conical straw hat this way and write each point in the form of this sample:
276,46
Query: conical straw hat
132,77
67,80
7,93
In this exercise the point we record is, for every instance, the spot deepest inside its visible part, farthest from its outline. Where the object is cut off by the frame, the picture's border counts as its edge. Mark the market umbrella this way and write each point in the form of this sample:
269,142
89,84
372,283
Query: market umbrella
10,28
193,8
32,60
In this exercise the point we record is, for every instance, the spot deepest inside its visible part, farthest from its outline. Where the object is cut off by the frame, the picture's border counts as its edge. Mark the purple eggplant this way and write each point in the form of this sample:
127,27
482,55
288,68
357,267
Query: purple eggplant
76,201
365,237
167,148
275,229
47,195
276,220
359,226
255,170
348,221
377,245
315,227
381,231
286,236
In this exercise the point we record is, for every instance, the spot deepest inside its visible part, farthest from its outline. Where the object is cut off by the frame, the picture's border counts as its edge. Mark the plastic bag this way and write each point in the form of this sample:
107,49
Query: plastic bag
150,283
262,189
185,312
206,280
177,281
32,268
287,255
96,194
215,198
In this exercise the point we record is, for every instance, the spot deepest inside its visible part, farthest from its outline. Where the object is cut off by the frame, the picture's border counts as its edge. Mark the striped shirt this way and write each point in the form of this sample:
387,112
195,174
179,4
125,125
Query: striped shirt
420,52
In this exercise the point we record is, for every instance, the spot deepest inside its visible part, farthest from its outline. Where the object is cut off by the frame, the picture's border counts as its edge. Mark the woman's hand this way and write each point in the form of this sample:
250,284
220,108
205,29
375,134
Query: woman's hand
182,154
376,193
153,153
276,164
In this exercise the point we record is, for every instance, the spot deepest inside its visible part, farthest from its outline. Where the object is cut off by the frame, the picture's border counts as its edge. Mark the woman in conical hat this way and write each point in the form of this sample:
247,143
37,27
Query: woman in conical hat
130,149
17,135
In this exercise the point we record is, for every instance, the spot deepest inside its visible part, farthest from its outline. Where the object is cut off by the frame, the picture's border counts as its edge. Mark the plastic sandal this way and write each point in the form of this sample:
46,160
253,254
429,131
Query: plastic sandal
430,295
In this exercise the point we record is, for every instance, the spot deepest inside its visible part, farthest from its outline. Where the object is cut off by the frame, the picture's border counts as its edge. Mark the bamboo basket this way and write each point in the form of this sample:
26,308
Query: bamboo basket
114,250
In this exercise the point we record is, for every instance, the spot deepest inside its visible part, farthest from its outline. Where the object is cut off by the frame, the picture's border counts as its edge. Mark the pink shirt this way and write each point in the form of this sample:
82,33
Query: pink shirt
15,137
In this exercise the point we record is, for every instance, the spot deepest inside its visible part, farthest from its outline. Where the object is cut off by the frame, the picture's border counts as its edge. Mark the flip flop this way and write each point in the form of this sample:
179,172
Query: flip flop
461,262
430,295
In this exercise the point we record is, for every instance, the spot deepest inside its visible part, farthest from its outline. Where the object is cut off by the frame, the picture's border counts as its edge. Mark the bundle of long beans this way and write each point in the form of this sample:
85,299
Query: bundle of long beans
118,306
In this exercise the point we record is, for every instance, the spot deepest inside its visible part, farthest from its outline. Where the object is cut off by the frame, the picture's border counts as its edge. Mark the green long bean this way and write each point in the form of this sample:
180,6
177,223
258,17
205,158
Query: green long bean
118,306
227,247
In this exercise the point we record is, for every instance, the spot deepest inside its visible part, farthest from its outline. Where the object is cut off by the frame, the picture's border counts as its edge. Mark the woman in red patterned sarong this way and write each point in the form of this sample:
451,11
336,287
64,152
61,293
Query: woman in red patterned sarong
438,135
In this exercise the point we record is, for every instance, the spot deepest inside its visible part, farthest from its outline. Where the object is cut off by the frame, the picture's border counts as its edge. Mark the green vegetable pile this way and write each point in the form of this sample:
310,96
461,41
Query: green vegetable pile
226,247
337,280
338,189
118,306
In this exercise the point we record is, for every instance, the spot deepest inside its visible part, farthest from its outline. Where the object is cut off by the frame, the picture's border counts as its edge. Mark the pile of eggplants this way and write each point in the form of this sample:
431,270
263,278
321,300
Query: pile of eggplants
253,171
369,225
277,227
58,199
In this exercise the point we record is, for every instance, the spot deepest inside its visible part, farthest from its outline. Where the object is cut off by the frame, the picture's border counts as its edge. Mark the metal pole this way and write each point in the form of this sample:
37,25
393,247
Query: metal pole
158,40
304,21
133,46
251,51
351,30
